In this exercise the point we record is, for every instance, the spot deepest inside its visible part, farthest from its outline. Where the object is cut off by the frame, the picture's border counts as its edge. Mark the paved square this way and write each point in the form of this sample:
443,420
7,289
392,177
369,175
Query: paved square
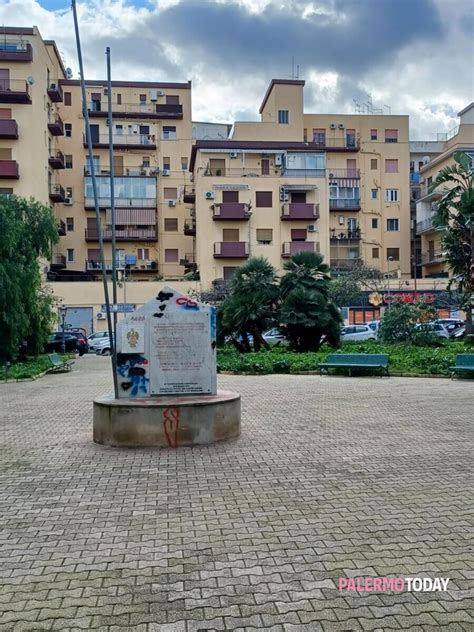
332,477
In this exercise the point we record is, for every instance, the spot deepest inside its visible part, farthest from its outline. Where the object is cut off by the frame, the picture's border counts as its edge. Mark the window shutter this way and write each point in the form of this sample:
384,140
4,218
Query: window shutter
264,234
263,199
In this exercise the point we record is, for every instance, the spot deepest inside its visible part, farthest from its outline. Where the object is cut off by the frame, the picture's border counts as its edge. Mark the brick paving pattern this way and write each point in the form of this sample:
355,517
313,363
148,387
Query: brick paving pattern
332,477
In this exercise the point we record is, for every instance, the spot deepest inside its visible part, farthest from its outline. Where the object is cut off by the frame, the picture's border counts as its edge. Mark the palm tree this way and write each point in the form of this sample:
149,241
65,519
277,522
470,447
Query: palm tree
305,270
454,217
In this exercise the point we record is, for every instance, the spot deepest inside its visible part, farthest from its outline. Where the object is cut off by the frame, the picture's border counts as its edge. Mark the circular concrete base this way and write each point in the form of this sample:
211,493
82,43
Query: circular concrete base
167,422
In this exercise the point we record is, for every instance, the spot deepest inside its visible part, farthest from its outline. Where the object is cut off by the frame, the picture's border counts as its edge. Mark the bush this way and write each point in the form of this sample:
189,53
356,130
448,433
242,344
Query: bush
25,370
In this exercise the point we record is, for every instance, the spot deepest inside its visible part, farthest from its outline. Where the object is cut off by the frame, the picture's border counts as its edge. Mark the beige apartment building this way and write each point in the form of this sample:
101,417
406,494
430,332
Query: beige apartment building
461,138
334,184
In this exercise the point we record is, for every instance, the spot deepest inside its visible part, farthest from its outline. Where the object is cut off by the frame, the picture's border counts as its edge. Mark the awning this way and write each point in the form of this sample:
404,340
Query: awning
132,216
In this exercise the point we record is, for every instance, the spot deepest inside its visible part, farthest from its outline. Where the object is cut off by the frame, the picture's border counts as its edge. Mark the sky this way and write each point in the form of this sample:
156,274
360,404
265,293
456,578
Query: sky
412,57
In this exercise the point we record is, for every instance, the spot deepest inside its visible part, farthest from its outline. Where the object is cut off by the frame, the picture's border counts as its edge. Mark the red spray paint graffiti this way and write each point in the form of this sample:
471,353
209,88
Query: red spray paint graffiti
171,425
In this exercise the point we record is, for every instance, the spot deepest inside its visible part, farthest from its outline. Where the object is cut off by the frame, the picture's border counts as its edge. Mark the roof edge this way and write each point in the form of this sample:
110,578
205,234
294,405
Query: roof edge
274,82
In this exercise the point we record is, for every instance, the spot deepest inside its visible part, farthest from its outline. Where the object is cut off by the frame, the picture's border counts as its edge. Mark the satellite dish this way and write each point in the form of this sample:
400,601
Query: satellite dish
30,80
68,73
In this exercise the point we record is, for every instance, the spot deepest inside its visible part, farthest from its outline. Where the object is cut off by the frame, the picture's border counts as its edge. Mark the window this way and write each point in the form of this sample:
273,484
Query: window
231,197
143,98
319,136
118,130
375,253
119,99
145,161
263,199
68,162
67,98
306,162
264,236
167,163
373,163
391,135
391,195
171,224
184,164
6,191
171,255
391,166
283,117
393,225
228,272
68,130
350,138
230,234
70,254
375,222
298,234
351,168
143,254
70,224
374,194
172,99
170,193
373,134
5,153
265,167
169,132
216,166
69,192
393,254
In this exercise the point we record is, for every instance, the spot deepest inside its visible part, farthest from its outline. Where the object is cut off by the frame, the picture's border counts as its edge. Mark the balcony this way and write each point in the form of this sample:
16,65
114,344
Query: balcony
335,175
231,211
56,160
104,202
58,261
345,263
300,211
344,204
96,266
415,177
290,248
337,144
133,172
15,50
190,229
428,196
345,235
123,141
231,249
189,195
61,228
9,169
425,226
432,257
98,109
55,126
55,92
8,128
14,91
126,234
56,193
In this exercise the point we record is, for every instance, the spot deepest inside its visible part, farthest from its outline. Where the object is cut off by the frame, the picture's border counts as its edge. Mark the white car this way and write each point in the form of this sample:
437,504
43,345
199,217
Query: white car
274,337
434,329
97,335
358,332
100,346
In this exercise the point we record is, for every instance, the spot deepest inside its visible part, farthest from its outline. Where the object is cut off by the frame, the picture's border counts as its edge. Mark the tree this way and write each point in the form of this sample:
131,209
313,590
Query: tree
348,285
454,217
27,231
400,319
309,316
250,307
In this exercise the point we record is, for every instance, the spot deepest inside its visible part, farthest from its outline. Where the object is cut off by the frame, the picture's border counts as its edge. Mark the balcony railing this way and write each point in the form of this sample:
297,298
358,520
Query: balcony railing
231,211
341,144
120,172
98,109
425,193
96,266
344,204
231,249
190,229
9,169
56,126
300,211
290,248
344,263
337,174
61,227
432,257
15,50
142,265
425,226
8,128
126,234
58,261
189,194
14,91
124,141
56,160
345,235
104,202
56,193
55,92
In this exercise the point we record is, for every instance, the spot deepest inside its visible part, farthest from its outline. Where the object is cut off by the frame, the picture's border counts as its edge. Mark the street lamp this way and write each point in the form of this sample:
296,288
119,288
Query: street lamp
389,260
63,310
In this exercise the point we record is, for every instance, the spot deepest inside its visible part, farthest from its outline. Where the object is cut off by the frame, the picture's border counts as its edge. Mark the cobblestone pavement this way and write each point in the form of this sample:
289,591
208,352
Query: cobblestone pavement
331,477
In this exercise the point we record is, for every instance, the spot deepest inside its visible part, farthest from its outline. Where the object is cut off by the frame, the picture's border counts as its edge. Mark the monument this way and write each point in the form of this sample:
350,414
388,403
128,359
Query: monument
167,379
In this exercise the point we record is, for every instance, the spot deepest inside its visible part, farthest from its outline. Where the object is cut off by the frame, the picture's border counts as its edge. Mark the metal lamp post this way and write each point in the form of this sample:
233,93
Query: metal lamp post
389,260
63,310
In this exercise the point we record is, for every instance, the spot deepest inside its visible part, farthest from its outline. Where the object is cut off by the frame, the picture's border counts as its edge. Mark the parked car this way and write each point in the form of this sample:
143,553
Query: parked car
275,337
101,346
358,332
433,329
73,342
98,335
452,325
459,333
374,325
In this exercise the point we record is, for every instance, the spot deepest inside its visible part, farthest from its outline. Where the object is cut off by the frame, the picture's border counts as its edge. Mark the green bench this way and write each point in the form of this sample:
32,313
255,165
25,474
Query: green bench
464,364
58,364
376,361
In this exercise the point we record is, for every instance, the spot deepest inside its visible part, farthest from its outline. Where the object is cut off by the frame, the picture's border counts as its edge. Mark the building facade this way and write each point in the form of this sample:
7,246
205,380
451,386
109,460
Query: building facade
334,184
431,262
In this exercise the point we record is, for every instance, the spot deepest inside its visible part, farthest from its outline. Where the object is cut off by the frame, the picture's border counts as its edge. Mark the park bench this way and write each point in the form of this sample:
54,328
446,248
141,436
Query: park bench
376,361
58,364
464,364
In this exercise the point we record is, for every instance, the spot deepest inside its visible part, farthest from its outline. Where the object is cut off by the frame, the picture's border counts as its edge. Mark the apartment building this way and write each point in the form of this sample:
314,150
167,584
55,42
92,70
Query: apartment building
151,139
461,138
31,127
291,182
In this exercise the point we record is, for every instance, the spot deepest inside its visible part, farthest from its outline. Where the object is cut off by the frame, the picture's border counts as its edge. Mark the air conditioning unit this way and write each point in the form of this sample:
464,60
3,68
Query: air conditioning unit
333,126
284,197
68,201
100,316
233,154
171,202
341,220
210,195
341,125
165,172
312,228
154,94
278,160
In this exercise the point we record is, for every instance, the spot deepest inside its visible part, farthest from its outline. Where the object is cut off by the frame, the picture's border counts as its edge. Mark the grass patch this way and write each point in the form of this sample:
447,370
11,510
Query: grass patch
404,358
24,370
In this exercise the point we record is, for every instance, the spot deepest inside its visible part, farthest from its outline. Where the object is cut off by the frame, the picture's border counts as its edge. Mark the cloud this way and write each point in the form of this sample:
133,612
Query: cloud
416,56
